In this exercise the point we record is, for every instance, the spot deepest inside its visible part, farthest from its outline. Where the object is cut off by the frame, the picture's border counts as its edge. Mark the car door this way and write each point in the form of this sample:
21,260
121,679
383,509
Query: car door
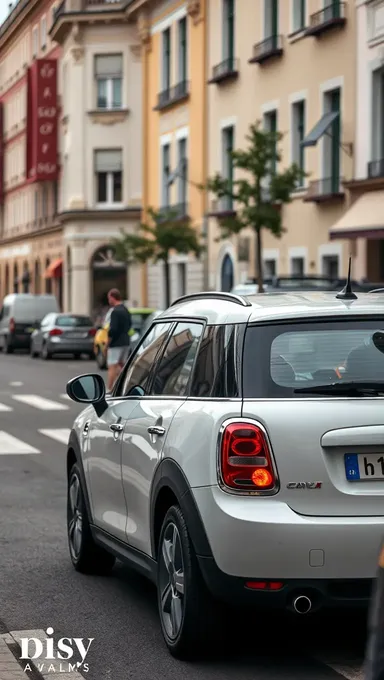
146,429
102,450
39,332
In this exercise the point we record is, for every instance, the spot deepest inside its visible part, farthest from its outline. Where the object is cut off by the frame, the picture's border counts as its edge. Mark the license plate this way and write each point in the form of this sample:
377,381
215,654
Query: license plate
77,335
364,467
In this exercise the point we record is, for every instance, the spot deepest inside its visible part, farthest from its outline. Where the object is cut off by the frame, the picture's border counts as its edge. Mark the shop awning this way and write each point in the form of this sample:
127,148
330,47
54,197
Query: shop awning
365,218
55,269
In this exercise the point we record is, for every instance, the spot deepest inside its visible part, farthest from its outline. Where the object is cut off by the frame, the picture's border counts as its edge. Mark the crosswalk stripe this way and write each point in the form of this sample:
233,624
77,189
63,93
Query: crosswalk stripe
5,409
65,396
40,402
10,445
59,435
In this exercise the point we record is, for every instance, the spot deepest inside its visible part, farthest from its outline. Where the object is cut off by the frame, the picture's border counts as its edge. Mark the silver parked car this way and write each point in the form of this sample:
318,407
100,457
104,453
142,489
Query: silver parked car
240,458
63,334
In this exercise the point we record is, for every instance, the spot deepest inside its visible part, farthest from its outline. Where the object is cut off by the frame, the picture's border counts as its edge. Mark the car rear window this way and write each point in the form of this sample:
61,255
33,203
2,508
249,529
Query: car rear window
73,321
280,358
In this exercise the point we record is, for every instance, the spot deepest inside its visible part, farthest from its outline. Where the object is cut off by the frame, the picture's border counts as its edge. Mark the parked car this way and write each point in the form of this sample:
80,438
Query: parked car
298,283
138,315
239,459
146,325
63,334
20,314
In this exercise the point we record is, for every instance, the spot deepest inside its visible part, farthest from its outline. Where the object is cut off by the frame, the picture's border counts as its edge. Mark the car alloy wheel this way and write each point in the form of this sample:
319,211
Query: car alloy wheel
171,581
75,518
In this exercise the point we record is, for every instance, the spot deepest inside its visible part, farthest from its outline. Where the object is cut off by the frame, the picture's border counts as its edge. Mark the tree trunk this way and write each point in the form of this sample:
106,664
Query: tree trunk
167,282
259,260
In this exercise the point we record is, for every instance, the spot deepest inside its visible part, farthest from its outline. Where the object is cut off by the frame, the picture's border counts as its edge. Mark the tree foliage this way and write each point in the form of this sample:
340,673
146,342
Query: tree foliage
259,189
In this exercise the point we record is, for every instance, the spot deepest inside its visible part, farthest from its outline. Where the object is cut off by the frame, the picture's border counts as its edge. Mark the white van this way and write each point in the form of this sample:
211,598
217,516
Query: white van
20,315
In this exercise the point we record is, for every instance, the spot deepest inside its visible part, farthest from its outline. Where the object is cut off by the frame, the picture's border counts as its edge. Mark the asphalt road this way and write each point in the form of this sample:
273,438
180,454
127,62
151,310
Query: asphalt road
40,589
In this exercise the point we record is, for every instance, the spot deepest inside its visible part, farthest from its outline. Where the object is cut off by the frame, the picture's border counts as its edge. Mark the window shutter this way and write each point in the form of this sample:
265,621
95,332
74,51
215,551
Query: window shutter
109,66
109,161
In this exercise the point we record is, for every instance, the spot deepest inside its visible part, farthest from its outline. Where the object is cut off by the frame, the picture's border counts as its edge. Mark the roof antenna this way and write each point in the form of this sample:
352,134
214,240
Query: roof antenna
347,292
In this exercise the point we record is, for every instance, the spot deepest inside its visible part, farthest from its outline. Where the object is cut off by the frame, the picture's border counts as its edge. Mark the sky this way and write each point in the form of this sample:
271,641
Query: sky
3,10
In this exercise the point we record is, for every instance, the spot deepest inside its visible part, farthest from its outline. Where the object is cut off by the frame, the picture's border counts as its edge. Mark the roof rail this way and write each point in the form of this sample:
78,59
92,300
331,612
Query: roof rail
215,295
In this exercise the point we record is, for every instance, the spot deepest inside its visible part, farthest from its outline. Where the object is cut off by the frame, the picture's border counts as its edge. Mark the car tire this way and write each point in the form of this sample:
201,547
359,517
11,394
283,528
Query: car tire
45,354
100,359
77,356
86,556
8,348
188,614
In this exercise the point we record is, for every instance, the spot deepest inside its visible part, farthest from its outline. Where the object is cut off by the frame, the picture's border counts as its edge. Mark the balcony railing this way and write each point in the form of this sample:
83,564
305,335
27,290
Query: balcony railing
267,49
178,211
376,169
329,17
226,70
69,6
325,189
172,95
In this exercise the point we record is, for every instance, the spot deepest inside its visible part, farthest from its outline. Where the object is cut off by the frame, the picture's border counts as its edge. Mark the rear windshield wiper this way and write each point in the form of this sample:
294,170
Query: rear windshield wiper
353,388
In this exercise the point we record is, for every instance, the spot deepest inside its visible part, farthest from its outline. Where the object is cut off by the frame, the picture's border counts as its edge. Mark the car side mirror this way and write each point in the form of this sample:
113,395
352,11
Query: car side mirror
378,340
88,389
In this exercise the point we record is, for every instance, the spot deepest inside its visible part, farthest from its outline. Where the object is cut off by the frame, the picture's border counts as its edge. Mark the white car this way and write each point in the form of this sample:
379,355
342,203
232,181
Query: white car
240,458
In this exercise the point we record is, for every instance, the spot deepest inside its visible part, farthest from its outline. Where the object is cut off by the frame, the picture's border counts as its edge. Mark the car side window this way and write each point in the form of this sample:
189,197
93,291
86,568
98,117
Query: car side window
139,369
175,366
216,373
5,312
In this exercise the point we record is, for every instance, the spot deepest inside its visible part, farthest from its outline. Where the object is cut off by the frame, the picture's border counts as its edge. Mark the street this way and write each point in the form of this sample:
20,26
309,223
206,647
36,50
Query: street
40,589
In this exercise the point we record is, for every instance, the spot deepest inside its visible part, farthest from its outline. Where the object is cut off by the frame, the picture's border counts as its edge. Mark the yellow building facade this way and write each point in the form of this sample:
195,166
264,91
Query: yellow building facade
173,39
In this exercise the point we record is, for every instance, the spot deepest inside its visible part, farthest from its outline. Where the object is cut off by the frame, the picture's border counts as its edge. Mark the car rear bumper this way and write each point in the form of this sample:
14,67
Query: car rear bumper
81,346
257,538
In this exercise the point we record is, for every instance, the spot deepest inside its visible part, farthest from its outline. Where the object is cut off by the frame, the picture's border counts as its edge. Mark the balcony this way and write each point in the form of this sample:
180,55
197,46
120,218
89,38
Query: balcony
225,71
376,169
330,17
325,190
69,11
172,95
222,208
270,48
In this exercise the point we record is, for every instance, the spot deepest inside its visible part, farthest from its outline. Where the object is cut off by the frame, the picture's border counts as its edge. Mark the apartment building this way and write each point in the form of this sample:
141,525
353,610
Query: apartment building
174,119
363,223
289,64
30,235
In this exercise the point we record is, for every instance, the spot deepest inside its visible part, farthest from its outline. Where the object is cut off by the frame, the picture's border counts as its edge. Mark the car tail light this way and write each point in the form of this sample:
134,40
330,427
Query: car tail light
246,459
55,331
92,332
264,585
12,325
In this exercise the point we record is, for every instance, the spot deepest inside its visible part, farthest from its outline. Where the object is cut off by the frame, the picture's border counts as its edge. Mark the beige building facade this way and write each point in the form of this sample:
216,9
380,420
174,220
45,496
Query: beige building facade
289,64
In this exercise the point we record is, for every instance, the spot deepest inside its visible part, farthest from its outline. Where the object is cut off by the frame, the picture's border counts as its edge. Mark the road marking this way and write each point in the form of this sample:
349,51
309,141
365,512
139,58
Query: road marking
65,396
4,408
40,402
10,445
16,384
59,435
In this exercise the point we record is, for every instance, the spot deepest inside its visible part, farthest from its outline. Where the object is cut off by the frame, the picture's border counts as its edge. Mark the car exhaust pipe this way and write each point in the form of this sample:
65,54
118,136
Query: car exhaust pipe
302,604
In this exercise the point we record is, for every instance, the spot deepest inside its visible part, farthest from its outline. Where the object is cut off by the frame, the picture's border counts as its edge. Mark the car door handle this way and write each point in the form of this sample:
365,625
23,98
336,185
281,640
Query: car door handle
116,427
156,429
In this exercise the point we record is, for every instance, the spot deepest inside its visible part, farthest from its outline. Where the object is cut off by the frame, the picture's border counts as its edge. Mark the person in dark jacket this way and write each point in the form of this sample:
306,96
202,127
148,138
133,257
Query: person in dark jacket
375,652
118,336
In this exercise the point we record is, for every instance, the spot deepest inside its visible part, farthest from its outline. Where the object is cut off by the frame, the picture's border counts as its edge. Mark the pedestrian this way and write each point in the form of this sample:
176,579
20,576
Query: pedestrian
375,653
118,336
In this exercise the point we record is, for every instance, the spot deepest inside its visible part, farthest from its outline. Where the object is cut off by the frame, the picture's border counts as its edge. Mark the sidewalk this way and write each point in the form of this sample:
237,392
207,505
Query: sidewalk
12,669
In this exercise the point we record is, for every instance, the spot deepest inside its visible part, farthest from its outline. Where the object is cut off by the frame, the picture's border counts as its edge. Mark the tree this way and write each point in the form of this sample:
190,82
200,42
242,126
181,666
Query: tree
257,196
166,232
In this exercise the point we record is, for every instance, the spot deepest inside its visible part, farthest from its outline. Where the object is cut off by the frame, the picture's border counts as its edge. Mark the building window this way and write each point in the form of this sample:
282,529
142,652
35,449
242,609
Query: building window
299,15
183,50
165,172
109,80
332,141
36,205
229,32
378,115
298,133
297,266
330,266
270,125
269,269
182,179
228,138
44,201
109,177
271,18
166,60
43,32
35,42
